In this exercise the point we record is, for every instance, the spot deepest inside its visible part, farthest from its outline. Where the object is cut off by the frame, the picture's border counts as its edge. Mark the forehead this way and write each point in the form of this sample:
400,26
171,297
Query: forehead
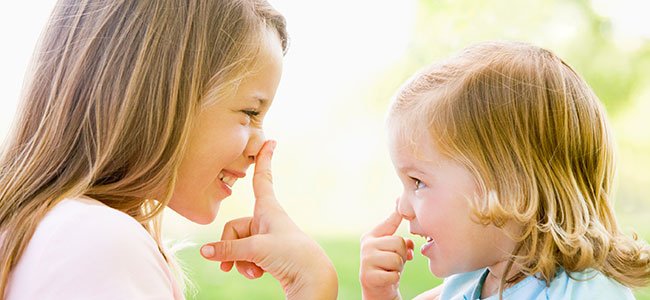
412,147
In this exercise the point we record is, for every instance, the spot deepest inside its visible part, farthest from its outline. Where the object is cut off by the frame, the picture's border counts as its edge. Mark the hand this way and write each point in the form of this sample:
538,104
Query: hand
383,256
270,242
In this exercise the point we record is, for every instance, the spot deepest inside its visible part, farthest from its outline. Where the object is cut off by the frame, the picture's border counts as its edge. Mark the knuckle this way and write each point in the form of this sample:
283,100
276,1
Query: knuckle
363,238
264,174
365,261
367,249
398,261
224,250
229,224
363,276
366,238
402,242
363,243
395,276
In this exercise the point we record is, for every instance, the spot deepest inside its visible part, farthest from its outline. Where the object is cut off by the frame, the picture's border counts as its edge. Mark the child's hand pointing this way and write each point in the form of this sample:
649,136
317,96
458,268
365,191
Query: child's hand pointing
270,242
383,256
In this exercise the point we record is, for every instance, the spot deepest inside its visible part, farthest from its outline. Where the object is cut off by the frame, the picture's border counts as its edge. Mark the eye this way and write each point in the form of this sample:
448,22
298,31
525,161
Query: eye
251,113
418,183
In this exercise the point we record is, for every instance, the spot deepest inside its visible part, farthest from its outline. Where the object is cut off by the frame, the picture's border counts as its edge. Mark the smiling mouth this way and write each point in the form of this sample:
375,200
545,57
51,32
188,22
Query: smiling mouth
428,238
228,180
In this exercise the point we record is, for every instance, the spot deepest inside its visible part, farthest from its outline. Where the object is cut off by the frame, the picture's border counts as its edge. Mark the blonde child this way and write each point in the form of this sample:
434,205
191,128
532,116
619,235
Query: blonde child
507,164
131,106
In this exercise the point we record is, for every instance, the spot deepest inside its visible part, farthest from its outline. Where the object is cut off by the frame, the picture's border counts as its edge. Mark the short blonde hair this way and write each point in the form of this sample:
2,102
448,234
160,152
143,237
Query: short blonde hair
110,99
537,140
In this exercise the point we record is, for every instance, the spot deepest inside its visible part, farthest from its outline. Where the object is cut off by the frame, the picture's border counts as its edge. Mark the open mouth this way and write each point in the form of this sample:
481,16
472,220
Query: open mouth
428,246
427,238
228,180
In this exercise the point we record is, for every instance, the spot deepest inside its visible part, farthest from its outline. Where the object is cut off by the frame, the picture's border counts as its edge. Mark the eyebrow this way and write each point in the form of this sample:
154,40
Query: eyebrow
262,101
407,169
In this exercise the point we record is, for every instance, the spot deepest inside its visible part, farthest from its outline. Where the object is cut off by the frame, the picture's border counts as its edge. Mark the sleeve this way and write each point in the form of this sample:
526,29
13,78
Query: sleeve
106,255
588,285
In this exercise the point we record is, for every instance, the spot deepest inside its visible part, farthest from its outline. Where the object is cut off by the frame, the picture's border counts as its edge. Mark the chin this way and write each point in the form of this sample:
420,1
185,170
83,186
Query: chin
207,216
437,272
201,217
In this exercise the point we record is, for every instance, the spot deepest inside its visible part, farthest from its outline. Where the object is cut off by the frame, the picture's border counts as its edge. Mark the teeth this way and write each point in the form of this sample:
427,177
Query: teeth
229,181
427,238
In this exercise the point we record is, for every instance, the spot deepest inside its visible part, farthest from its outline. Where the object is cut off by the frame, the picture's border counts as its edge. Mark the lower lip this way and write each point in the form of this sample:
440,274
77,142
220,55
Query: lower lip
427,248
225,187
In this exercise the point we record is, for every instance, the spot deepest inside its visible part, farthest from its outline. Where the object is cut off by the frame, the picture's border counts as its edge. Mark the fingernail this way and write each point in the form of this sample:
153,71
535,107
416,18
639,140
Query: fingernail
250,273
207,251
272,145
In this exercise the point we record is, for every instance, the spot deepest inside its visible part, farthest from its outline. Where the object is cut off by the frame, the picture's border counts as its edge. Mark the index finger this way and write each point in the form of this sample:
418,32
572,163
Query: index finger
263,177
388,226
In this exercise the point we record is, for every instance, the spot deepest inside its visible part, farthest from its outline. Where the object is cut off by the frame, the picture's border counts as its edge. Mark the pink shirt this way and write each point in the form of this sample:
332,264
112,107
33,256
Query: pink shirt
84,249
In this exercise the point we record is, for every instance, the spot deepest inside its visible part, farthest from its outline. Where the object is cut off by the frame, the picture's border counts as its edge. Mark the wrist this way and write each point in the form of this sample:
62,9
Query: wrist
319,282
374,294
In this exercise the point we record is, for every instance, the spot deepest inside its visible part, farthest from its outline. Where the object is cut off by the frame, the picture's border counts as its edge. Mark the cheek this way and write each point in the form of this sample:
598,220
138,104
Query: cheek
438,210
210,153
238,139
427,205
228,143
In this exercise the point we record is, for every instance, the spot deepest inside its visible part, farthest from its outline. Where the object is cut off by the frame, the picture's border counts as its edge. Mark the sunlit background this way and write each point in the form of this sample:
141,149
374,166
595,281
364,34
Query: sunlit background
346,59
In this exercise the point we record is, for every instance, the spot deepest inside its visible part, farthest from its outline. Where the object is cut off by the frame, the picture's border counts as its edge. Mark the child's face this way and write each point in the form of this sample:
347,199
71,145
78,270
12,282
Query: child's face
225,139
435,201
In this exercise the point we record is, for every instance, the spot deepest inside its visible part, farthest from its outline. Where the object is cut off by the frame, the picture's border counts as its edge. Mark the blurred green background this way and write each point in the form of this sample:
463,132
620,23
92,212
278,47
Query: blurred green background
333,172
346,59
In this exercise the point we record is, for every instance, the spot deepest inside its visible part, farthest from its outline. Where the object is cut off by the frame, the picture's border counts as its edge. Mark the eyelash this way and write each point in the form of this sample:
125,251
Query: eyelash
251,113
418,183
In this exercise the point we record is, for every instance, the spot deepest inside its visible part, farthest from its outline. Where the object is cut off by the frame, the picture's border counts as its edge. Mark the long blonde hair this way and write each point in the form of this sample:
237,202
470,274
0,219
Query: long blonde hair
538,143
109,100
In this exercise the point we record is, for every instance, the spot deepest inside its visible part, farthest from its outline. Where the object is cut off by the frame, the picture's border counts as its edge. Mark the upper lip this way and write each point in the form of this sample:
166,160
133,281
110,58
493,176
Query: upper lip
420,234
234,173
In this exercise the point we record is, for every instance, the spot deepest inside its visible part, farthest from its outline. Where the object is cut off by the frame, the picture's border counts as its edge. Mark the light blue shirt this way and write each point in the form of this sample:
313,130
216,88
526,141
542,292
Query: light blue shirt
589,284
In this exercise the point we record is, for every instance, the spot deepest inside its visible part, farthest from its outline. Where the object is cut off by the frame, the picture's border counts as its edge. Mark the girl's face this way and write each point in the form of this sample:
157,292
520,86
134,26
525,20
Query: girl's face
225,139
435,201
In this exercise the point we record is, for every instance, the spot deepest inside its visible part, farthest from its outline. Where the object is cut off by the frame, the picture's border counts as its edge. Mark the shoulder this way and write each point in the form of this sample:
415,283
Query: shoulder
432,294
458,285
76,225
83,247
589,284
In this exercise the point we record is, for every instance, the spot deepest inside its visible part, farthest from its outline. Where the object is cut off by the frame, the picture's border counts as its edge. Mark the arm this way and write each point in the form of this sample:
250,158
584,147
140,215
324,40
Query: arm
82,251
270,242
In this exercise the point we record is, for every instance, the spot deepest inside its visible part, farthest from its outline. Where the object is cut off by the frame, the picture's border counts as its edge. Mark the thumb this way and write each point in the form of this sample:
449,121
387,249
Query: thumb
232,250
388,226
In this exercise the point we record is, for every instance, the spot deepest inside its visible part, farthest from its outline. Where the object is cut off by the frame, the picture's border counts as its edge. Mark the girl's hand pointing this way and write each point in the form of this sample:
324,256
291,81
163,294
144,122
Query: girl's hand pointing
383,256
270,242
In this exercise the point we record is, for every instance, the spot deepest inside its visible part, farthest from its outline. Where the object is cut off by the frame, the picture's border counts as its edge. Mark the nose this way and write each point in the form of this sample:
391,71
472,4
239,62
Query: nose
255,142
404,208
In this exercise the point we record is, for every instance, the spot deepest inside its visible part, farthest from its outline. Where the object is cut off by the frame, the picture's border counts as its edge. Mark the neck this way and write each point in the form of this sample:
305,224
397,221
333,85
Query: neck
496,273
